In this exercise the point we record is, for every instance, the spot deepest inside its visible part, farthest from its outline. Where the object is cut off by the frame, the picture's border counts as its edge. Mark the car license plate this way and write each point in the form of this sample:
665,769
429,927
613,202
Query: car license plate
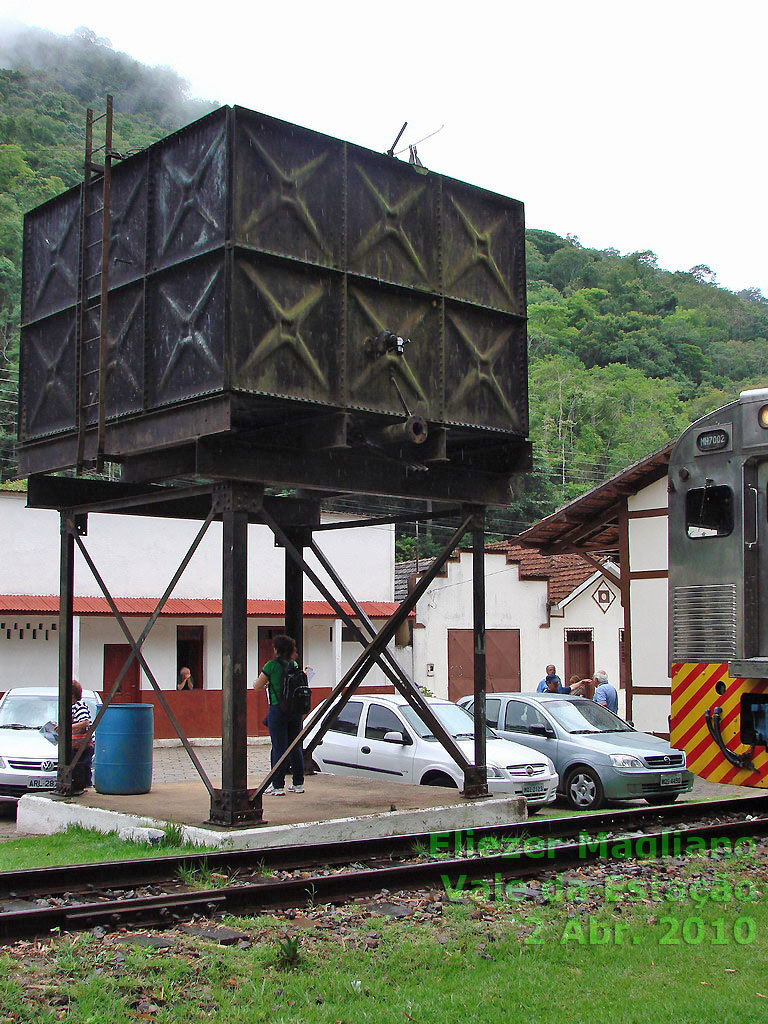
534,788
672,780
41,784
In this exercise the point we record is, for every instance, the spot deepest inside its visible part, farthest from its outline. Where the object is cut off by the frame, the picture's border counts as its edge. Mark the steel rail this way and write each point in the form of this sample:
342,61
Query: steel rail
134,873
167,910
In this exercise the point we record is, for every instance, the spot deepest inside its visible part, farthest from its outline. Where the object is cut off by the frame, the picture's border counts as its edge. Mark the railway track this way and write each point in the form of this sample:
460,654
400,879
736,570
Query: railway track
35,902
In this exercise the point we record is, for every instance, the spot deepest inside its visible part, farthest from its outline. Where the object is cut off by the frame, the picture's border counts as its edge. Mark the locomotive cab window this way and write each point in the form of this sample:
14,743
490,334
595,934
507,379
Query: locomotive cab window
709,512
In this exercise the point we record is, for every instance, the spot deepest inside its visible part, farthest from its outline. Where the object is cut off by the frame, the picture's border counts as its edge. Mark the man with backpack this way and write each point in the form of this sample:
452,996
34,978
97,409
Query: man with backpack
288,694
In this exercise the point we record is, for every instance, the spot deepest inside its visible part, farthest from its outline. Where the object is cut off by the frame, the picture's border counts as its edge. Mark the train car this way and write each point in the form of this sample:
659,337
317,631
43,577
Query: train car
718,592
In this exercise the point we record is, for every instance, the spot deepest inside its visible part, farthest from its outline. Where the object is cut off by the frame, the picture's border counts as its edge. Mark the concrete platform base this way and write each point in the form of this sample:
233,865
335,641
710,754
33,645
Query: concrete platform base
332,808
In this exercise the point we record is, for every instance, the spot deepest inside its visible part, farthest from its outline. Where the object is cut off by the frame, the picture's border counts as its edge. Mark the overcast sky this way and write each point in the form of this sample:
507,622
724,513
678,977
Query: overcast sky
637,126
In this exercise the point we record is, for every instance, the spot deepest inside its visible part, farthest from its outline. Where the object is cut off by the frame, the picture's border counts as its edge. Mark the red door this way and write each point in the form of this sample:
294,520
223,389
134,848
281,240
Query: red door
579,654
115,656
502,647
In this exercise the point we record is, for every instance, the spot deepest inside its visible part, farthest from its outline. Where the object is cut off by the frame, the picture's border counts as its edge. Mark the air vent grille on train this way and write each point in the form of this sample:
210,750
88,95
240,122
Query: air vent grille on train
704,623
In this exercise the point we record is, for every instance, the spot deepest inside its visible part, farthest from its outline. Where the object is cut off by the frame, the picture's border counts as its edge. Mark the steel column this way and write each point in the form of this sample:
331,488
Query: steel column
294,592
68,525
475,778
230,805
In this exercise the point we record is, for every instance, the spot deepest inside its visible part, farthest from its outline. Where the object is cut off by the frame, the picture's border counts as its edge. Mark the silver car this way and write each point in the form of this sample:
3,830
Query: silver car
598,756
29,756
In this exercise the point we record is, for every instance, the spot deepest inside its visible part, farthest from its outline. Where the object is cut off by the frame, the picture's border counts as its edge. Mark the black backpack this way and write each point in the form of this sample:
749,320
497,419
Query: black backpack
296,696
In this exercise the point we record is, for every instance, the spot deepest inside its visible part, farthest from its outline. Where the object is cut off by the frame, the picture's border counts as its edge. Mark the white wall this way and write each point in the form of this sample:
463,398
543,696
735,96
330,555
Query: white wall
137,556
26,660
648,552
510,604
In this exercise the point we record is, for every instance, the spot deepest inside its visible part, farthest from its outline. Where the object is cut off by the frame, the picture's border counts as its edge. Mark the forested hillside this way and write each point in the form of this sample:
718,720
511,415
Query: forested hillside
623,355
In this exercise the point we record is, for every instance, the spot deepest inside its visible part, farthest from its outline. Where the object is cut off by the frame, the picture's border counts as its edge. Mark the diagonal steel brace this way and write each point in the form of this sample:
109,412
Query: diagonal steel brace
394,671
136,650
372,650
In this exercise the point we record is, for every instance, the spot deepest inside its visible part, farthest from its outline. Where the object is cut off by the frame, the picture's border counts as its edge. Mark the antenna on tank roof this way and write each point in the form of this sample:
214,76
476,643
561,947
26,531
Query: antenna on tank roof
391,150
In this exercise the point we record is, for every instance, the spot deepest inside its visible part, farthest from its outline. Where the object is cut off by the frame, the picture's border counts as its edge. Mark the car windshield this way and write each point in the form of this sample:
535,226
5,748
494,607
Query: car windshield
584,716
458,722
32,711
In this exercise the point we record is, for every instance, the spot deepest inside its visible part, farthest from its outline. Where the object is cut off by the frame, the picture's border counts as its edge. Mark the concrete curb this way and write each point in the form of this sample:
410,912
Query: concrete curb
38,815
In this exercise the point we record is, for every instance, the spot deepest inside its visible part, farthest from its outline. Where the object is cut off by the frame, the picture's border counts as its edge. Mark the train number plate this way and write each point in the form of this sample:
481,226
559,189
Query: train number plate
672,780
534,788
41,784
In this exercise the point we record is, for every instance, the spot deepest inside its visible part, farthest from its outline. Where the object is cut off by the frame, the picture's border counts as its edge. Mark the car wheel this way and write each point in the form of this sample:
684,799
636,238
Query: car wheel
584,790
662,798
438,779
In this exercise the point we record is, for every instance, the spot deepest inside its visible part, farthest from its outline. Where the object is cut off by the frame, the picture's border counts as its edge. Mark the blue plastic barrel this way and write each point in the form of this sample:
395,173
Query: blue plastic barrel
122,762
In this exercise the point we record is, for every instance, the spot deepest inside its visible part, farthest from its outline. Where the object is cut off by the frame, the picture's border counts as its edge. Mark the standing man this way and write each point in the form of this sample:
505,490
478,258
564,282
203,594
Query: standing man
283,727
605,694
542,687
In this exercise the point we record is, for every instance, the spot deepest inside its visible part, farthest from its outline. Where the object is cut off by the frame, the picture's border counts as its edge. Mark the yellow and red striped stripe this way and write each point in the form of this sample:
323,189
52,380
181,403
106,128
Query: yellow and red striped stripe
693,692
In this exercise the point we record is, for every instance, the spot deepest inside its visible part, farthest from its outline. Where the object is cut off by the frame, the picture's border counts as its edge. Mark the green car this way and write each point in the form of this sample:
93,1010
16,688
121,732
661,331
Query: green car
597,755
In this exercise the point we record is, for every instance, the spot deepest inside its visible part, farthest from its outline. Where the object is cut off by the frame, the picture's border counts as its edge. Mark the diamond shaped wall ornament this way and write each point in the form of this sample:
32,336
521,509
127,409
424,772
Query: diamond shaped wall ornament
603,596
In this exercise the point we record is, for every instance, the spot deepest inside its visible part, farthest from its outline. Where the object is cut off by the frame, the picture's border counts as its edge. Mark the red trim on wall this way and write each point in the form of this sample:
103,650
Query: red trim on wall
199,711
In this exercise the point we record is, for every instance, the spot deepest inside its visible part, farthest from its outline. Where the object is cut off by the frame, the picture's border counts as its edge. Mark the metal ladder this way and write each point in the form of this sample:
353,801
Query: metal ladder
93,309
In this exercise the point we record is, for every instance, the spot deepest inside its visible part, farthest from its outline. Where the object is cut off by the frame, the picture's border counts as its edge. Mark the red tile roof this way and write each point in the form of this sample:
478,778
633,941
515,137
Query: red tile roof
564,573
180,606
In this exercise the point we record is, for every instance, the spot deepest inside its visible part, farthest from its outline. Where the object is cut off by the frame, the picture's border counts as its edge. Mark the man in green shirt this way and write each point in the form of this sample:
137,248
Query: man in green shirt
283,728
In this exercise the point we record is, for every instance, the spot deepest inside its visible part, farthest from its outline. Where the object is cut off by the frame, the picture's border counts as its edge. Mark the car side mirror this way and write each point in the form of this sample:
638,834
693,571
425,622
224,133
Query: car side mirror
537,729
397,737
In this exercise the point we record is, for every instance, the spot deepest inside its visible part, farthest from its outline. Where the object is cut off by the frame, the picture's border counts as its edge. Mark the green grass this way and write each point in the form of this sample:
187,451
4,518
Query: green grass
480,962
82,846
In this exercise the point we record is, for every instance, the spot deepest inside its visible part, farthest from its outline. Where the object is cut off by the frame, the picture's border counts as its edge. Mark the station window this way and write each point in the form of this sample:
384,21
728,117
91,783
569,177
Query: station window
709,512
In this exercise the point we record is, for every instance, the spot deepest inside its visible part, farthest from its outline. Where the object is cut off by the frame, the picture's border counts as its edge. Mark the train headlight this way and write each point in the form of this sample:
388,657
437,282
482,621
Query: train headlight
762,417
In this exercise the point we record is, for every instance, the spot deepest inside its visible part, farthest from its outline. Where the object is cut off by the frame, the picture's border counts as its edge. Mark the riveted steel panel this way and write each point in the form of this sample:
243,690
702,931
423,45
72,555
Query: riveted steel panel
483,248
189,172
47,390
486,365
287,194
392,220
51,245
286,329
186,331
377,383
128,220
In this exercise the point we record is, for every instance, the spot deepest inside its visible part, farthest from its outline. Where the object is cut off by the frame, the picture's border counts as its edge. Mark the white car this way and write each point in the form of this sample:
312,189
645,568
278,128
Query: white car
28,758
382,737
